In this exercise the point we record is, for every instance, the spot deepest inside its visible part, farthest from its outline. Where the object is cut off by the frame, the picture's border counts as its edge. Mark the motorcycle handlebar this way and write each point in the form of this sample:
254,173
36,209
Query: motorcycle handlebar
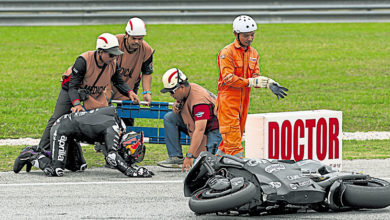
210,170
141,102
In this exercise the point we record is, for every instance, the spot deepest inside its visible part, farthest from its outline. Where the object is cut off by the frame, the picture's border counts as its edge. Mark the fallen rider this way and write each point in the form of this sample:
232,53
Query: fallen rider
102,125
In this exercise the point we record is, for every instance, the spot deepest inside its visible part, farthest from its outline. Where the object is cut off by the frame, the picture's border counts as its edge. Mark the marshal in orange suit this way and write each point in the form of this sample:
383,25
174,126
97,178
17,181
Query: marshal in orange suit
239,71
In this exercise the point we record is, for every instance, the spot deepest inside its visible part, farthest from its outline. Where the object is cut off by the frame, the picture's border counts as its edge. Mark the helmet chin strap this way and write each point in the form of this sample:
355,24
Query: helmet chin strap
238,39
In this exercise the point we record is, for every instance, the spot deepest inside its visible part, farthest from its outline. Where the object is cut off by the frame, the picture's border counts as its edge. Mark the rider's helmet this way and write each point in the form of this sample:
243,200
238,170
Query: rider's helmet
172,79
136,27
244,24
132,145
108,43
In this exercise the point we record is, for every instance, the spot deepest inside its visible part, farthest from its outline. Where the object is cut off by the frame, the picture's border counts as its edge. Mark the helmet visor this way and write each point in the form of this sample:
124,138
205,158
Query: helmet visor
114,51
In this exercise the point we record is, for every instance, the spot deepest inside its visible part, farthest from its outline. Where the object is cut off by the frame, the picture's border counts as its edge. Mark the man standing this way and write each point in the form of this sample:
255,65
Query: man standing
194,113
100,125
239,71
86,81
136,62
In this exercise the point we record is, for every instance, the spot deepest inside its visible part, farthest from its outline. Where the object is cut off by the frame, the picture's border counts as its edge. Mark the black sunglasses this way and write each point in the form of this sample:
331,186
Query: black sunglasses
112,55
174,90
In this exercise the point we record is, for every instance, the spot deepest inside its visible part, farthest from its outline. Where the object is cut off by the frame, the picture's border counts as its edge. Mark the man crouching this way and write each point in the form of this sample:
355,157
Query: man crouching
102,125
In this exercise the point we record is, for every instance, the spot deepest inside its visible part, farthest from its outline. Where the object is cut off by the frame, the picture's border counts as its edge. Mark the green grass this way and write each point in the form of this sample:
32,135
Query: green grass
341,67
326,66
373,149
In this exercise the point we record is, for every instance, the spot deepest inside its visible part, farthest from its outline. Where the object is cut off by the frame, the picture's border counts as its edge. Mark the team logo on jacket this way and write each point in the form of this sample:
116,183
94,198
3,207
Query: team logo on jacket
222,57
252,59
75,70
199,114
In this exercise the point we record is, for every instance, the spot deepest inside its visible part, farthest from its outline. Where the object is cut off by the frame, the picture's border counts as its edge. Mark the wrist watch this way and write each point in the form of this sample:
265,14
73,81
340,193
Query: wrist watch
189,155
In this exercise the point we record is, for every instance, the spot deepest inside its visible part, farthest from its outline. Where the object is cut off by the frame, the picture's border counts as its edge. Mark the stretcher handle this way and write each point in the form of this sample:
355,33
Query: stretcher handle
141,103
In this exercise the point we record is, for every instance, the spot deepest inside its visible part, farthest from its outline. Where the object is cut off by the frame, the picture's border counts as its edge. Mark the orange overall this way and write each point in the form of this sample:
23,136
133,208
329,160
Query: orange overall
235,67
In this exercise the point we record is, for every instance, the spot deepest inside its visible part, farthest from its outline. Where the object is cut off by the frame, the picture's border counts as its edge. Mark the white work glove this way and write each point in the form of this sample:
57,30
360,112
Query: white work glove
265,82
260,82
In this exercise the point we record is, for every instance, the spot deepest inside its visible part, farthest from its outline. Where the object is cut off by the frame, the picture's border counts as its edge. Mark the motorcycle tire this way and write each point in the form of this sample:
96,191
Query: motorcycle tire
201,205
374,195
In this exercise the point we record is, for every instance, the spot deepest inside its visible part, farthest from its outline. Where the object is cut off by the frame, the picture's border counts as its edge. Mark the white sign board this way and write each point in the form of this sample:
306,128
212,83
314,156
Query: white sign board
315,135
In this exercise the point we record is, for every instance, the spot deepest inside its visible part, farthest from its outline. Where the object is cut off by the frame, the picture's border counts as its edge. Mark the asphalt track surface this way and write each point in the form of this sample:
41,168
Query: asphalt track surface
103,193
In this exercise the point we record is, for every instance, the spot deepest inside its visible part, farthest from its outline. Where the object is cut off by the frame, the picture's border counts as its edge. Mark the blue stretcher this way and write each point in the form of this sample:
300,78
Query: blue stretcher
157,110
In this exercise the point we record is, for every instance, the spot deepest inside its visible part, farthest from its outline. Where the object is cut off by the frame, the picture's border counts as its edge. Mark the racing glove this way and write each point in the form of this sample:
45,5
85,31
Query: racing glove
138,172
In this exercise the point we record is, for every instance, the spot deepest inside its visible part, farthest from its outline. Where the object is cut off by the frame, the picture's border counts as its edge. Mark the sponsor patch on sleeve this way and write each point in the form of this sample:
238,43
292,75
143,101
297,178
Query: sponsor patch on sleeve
199,114
75,70
252,59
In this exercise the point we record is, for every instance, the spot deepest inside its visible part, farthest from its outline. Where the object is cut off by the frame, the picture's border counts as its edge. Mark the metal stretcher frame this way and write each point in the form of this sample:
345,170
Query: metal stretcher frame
156,110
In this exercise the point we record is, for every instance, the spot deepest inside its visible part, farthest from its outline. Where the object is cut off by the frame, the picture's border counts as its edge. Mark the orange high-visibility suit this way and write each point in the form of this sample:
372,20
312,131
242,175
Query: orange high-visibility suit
235,67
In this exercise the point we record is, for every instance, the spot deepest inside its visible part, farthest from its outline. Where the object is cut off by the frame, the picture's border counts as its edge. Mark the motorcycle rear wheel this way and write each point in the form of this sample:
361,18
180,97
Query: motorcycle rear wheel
374,195
202,205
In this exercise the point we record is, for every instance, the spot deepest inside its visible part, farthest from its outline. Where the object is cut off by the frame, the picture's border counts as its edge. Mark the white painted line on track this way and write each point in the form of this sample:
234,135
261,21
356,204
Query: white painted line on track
93,183
108,182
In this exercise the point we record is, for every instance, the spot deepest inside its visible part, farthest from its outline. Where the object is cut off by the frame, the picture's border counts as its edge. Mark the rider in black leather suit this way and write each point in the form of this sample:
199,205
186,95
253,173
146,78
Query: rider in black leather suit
99,125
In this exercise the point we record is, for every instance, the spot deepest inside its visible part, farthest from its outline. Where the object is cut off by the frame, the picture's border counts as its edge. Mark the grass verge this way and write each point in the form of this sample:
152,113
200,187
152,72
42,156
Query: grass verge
325,66
371,149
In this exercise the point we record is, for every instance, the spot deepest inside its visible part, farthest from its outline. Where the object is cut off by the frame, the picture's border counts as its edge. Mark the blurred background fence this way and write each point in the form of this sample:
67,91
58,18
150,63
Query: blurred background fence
89,12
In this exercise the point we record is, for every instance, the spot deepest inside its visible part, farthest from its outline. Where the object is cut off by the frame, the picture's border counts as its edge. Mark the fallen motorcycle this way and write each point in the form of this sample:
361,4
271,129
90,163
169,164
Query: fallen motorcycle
261,186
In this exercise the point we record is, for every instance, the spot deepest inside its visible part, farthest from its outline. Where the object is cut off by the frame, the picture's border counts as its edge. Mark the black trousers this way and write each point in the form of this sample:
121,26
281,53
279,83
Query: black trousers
63,107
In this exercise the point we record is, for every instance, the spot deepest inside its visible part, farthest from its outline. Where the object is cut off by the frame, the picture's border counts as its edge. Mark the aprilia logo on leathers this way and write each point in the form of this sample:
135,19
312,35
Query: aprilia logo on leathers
61,147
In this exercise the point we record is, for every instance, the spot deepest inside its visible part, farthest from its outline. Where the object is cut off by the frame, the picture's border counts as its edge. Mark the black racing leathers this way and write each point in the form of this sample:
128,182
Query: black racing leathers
99,125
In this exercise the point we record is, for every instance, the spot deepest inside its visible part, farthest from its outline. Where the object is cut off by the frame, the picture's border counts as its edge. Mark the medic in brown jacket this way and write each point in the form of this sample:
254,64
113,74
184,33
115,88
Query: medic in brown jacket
87,81
195,107
136,62
92,74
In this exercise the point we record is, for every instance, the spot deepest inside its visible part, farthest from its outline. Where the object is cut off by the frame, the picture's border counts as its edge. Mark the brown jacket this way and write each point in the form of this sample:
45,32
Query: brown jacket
97,97
131,64
198,95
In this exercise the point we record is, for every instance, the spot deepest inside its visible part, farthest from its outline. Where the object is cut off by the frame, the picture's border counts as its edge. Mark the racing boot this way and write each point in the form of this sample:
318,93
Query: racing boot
27,155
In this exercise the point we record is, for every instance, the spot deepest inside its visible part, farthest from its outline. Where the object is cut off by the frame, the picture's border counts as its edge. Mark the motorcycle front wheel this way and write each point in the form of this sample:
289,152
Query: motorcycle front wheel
201,204
373,195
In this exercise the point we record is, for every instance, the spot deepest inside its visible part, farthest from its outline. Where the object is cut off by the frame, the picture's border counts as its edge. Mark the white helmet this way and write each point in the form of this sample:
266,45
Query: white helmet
136,27
108,43
243,24
172,78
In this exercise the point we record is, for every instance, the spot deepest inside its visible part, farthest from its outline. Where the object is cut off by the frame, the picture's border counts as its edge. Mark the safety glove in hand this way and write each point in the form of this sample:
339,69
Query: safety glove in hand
259,82
277,89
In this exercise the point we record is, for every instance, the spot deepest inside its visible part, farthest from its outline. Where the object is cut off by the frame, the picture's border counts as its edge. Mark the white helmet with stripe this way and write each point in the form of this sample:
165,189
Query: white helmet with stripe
172,79
136,27
108,43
